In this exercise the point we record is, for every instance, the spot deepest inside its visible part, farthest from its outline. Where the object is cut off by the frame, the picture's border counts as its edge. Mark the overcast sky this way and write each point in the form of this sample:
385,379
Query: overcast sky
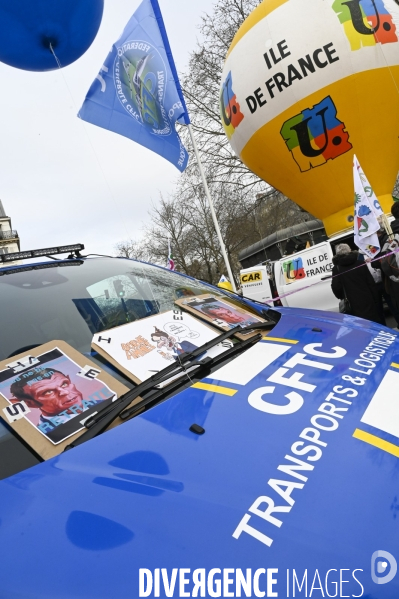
65,181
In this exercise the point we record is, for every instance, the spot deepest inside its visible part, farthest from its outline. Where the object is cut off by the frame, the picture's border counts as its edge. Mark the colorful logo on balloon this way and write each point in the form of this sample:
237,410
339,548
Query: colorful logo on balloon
140,81
229,107
365,22
316,135
293,270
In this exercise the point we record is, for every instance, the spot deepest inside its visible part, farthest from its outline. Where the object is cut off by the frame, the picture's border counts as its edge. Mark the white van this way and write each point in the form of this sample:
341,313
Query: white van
255,283
310,271
303,279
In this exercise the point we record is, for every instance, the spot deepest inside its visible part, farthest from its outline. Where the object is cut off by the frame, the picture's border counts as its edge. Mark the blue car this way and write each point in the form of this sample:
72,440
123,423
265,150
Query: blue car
271,470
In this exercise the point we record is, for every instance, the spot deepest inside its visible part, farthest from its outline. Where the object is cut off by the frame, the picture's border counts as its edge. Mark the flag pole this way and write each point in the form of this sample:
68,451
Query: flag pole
186,118
215,220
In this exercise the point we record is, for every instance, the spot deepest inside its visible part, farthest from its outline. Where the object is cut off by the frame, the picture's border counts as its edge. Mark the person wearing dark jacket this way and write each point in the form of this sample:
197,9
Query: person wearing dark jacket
357,285
394,224
387,288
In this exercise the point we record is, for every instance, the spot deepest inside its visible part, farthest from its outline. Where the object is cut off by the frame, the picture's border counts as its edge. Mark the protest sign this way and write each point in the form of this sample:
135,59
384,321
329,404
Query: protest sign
48,392
142,348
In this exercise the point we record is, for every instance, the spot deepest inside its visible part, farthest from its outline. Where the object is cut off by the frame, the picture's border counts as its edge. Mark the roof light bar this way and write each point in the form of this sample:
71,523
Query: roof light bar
57,264
63,249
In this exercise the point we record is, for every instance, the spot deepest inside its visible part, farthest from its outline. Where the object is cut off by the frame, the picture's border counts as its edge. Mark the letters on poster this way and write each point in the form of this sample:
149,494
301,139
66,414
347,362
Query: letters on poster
53,393
146,346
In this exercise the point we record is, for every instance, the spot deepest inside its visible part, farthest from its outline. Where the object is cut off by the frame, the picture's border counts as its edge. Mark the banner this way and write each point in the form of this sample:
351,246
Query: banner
137,91
367,211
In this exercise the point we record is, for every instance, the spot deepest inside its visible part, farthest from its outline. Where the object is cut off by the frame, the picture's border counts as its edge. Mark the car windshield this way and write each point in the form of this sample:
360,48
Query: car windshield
71,301
75,300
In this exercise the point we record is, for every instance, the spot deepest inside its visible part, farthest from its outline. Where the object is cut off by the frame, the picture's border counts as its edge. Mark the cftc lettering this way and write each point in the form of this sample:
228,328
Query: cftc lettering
309,445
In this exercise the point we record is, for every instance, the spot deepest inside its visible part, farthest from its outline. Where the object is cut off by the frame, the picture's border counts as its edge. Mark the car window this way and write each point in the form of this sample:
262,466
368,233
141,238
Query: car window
74,302
71,301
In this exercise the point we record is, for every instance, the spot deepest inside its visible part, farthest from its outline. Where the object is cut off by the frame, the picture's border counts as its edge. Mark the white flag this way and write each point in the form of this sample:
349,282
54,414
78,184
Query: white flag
367,210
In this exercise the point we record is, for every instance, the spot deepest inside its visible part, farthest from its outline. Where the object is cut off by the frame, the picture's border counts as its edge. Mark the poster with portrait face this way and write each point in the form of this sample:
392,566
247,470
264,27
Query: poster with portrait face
49,394
219,312
142,348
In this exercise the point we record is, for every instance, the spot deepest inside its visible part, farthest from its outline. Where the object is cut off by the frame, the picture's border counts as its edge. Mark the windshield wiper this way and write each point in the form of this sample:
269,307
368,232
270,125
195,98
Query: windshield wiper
207,363
175,368
102,420
164,374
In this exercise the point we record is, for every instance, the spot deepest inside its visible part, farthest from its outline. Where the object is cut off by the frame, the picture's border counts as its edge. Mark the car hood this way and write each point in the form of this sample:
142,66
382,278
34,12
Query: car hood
297,469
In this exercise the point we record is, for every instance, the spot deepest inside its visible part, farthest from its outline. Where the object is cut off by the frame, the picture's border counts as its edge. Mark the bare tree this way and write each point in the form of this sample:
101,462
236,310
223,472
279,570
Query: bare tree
247,208
133,249
185,220
201,87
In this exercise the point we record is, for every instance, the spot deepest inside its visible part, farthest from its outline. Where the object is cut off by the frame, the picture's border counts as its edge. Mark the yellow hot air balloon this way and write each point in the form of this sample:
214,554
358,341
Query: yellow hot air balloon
306,85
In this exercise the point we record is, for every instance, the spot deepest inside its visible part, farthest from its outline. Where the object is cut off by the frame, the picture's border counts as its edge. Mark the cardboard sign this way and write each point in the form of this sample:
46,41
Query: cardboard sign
48,392
142,348
220,313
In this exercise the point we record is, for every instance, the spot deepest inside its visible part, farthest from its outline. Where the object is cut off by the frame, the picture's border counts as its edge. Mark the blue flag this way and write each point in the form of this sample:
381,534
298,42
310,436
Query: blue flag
137,92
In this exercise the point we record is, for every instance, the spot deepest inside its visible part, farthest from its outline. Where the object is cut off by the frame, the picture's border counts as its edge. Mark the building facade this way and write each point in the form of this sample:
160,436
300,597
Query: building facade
283,242
9,239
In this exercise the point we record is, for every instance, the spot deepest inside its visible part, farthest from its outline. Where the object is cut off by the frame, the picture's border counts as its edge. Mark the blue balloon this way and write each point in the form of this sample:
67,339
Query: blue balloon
29,27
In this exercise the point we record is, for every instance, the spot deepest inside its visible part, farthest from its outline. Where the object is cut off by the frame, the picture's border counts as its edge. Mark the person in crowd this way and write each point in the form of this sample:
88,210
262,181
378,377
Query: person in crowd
386,287
394,224
390,272
356,284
